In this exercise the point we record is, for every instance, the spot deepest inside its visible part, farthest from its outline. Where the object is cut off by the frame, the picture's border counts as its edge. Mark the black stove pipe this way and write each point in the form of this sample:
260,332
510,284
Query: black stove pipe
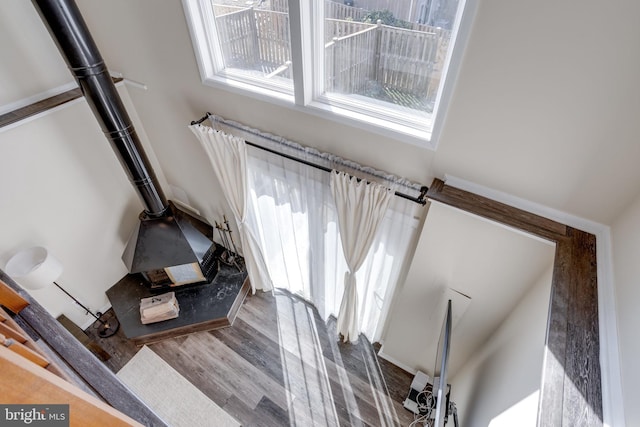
69,31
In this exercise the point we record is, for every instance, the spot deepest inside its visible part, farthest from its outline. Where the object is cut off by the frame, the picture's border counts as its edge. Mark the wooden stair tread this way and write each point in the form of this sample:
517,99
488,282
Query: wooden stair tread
10,332
11,299
9,326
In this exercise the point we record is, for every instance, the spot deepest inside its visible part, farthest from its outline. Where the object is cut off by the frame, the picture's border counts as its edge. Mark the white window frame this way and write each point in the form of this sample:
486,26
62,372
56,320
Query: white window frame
202,26
307,56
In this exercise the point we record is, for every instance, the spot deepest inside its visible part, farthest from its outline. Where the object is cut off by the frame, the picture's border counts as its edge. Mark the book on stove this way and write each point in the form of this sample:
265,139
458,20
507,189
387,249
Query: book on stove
158,308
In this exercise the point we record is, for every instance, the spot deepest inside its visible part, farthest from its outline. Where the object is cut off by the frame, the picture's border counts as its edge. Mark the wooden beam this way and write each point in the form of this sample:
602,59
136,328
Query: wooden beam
571,388
496,211
41,106
582,403
550,402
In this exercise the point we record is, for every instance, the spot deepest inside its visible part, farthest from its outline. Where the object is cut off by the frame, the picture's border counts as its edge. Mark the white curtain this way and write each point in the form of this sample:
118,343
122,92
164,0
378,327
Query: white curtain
296,224
228,155
361,207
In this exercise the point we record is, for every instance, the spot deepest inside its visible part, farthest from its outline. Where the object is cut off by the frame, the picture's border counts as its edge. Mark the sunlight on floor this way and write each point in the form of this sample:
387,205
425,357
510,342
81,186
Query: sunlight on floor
319,386
305,375
386,411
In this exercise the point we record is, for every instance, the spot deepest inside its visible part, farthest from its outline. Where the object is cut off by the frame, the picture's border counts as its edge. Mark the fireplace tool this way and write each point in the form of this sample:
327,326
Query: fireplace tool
230,254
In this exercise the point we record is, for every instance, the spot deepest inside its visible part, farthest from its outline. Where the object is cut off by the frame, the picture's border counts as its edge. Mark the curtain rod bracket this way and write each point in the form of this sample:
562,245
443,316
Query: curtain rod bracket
423,193
200,120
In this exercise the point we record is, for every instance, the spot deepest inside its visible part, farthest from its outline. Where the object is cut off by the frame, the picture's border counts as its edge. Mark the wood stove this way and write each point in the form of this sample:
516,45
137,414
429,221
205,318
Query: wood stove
168,245
172,250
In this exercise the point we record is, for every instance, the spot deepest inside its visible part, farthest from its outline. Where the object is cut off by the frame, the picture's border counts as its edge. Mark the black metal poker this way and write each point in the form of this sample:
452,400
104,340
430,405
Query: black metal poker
228,257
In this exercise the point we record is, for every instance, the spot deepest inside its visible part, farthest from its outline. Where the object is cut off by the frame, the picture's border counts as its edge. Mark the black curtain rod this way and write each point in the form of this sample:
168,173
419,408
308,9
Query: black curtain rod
420,199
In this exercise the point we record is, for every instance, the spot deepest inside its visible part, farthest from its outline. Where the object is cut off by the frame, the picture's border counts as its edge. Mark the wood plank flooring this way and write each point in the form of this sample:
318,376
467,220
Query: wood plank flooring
279,365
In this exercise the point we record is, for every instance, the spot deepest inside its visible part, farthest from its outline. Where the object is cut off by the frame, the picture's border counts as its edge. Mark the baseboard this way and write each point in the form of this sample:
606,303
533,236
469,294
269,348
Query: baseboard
396,362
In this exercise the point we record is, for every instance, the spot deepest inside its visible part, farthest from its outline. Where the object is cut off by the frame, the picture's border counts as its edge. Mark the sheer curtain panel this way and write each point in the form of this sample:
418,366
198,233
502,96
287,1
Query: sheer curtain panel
361,206
228,156
295,216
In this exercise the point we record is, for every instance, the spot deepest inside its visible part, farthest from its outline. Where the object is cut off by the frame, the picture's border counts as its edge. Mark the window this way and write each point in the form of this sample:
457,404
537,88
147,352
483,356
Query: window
357,62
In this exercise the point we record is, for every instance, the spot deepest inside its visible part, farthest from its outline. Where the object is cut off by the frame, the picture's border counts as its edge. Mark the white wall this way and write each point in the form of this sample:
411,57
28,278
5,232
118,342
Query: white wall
63,188
30,60
625,233
499,385
492,264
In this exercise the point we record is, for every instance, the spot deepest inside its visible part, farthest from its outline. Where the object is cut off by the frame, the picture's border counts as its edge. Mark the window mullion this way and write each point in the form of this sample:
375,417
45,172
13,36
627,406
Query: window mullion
300,29
317,49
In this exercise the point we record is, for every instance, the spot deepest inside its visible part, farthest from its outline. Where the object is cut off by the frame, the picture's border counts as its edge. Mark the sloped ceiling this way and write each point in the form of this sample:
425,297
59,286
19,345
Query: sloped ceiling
546,105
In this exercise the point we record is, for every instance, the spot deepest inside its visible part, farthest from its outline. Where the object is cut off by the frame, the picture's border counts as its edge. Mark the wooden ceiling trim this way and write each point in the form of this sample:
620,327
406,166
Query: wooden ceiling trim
496,211
42,106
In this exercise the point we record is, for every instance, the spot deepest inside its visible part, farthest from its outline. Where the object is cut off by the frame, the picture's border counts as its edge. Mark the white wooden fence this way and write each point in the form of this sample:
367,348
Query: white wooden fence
399,59
254,39
337,10
350,61
358,56
341,28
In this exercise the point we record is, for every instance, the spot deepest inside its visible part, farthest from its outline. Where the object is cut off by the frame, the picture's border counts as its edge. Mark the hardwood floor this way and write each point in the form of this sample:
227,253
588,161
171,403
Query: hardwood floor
279,365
